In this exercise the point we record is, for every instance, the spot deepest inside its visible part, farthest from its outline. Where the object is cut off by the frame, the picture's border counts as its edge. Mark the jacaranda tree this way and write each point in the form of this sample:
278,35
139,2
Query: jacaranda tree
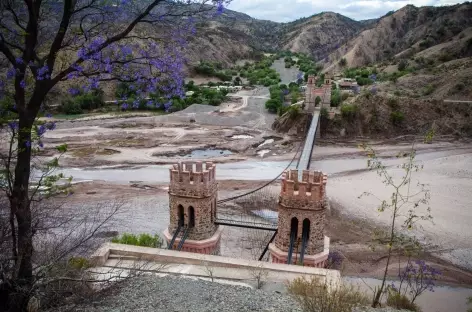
46,44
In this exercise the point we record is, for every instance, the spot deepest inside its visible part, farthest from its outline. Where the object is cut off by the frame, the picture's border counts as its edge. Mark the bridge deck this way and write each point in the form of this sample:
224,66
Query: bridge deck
304,160
247,224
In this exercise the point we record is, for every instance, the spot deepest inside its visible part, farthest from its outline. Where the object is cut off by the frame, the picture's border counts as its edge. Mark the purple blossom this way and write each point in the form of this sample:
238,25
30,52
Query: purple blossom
50,125
124,106
373,90
77,67
41,145
28,143
419,277
23,83
13,125
48,115
11,73
43,73
41,130
19,60
74,91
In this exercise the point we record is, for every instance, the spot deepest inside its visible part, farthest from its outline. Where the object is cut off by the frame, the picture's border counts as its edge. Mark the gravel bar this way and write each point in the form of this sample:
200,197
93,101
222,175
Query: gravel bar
175,294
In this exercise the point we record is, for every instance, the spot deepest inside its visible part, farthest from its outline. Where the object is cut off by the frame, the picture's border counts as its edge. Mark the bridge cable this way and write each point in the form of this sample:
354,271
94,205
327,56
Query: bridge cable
266,184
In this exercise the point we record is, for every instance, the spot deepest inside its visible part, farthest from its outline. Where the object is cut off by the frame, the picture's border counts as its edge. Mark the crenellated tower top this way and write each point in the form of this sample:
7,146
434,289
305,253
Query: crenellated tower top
193,179
311,79
307,194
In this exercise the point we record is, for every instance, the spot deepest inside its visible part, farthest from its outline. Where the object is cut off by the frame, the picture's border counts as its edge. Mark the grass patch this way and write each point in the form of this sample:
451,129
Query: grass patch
125,142
314,296
90,151
144,240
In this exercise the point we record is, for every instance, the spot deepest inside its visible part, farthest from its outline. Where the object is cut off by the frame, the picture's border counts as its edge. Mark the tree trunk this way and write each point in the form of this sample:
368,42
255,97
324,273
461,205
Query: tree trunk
20,206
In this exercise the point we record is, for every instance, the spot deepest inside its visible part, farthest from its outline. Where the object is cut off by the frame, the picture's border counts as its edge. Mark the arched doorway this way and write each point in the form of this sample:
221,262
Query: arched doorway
306,229
191,217
293,238
294,227
180,212
305,238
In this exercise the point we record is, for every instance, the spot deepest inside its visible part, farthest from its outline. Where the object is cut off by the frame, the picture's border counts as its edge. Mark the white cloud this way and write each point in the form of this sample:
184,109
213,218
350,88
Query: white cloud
289,10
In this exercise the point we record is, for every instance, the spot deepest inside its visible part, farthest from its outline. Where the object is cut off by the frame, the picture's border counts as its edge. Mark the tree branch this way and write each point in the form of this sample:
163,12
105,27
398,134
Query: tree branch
61,32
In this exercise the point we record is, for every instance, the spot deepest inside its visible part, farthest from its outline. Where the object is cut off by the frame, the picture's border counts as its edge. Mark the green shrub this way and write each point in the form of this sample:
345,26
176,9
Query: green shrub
402,65
399,301
349,111
273,105
343,62
428,90
79,263
324,113
363,81
144,240
71,107
397,118
445,57
89,101
344,96
125,90
294,111
459,87
392,102
335,98
313,295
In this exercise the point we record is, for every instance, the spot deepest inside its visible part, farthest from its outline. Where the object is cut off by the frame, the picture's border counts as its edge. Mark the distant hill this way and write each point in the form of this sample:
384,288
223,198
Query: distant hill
407,32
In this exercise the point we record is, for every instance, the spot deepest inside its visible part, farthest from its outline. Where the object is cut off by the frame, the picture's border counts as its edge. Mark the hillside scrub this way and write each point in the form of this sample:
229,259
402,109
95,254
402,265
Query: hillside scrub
260,73
210,69
377,116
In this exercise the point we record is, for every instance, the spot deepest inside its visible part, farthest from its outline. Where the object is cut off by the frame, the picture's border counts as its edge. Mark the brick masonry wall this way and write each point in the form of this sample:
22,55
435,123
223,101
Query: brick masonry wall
305,199
193,184
204,215
317,224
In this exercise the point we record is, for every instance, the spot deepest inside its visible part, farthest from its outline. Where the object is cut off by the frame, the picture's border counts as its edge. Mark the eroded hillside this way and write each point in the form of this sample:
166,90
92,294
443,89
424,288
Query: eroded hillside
407,32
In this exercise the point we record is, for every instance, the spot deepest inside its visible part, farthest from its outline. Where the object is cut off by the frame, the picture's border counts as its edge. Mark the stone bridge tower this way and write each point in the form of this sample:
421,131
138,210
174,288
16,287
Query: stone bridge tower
193,192
302,207
309,96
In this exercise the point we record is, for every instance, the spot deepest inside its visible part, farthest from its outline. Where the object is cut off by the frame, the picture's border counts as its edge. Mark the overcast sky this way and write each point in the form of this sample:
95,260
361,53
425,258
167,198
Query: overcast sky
289,10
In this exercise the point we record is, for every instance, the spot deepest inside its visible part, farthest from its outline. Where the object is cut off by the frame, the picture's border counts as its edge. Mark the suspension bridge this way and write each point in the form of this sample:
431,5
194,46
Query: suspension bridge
257,209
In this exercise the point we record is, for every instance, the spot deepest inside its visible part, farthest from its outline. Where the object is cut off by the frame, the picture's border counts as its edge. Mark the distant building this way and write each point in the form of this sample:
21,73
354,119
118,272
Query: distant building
347,84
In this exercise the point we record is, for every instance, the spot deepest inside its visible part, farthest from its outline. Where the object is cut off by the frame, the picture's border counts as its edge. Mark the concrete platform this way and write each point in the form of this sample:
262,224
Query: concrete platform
117,259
